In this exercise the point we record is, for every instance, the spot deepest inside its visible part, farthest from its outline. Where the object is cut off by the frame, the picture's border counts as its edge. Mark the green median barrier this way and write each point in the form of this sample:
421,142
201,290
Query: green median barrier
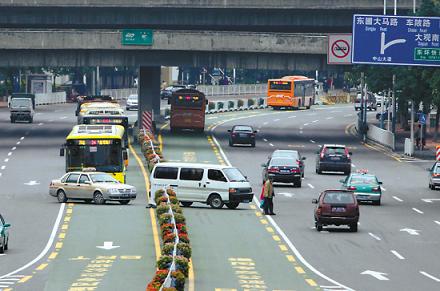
231,105
220,105
211,106
250,103
240,104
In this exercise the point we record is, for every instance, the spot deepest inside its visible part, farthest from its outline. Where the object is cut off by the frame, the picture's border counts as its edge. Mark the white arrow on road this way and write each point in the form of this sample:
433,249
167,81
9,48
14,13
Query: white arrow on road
378,275
286,194
32,183
430,200
108,245
411,231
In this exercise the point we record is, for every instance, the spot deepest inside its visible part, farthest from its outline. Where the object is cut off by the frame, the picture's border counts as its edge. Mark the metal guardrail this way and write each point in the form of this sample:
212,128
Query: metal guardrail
382,136
238,90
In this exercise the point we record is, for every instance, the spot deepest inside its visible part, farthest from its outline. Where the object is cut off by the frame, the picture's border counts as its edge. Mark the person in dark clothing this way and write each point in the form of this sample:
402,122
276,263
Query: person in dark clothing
268,197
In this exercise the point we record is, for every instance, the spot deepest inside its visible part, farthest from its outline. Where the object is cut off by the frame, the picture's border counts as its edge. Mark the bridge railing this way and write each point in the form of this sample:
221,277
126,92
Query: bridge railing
209,90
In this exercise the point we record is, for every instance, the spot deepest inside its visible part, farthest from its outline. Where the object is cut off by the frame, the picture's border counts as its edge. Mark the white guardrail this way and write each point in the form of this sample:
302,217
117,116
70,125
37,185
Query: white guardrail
50,98
220,90
382,136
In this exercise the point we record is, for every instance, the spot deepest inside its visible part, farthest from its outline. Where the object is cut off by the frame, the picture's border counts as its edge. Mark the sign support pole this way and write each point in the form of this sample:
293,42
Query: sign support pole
393,126
412,127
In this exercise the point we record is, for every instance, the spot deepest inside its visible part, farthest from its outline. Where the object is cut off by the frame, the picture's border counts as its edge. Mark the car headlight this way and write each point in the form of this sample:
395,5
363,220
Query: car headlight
133,191
113,191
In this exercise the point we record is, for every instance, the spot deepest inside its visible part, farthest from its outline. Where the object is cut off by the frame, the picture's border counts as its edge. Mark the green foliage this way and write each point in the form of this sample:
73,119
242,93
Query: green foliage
164,262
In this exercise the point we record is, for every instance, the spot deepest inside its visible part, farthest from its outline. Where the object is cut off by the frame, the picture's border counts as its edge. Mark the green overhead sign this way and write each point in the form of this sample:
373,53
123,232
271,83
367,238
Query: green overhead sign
137,37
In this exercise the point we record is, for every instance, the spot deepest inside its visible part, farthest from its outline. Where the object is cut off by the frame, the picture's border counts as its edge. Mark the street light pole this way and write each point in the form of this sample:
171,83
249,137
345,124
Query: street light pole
393,129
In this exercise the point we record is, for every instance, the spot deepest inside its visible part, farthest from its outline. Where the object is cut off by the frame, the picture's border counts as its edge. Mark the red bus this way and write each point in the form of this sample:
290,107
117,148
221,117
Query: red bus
187,110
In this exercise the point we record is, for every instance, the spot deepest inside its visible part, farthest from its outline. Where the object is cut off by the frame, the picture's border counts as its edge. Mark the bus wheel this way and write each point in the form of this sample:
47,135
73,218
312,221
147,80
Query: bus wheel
98,198
61,196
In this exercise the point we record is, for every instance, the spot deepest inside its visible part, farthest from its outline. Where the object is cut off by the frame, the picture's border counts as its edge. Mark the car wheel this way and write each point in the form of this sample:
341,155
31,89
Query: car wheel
7,245
98,198
124,202
61,196
31,120
319,171
231,144
2,249
354,227
432,187
186,203
215,201
378,202
318,226
253,144
346,173
298,183
302,175
232,205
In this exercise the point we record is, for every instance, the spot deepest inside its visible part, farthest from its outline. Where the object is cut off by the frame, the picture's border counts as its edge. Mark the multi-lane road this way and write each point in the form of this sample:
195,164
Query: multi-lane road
55,247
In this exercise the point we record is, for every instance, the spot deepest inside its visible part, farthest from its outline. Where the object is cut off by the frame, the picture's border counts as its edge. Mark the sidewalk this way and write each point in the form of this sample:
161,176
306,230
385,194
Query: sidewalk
428,153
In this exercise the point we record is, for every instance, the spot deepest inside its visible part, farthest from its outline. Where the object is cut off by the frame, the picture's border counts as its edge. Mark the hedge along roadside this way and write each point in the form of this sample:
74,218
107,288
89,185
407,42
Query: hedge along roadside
173,265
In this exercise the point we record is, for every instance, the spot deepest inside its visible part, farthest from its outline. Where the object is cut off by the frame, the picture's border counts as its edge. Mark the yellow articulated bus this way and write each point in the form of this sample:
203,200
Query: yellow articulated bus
98,146
291,92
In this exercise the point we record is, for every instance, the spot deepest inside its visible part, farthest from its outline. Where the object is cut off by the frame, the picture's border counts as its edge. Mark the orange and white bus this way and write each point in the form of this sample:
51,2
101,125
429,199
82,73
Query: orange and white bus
291,92
187,110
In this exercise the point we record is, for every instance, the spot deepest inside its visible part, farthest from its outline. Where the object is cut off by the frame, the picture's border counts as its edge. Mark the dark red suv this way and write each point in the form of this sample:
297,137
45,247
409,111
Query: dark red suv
336,207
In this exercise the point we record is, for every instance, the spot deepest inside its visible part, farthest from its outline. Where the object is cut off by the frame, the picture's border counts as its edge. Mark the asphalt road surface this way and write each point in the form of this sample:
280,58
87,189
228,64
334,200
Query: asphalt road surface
55,246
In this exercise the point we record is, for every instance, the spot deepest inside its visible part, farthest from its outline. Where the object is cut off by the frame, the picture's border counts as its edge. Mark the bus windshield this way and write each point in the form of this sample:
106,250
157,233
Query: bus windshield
105,158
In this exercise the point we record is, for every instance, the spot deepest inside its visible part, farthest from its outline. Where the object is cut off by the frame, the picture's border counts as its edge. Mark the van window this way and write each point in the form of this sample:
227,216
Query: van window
165,173
191,174
216,175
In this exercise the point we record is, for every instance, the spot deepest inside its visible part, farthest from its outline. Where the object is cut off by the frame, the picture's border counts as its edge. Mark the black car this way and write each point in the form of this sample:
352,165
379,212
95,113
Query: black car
293,155
242,134
168,91
334,158
283,170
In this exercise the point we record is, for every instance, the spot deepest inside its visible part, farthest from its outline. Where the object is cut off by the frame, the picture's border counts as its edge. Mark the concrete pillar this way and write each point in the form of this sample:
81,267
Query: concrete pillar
149,91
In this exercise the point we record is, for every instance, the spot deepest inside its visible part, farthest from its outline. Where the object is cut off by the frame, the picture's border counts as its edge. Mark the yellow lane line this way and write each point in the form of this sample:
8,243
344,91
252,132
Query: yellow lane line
25,279
59,245
283,248
276,238
152,215
311,282
300,270
290,258
53,255
41,267
62,235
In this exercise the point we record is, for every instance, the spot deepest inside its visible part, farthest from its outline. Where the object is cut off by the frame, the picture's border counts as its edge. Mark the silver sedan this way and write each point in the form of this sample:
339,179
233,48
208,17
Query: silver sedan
97,186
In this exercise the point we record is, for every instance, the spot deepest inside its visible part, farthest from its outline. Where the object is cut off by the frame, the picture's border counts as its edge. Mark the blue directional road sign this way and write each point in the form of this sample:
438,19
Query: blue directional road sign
396,40
422,118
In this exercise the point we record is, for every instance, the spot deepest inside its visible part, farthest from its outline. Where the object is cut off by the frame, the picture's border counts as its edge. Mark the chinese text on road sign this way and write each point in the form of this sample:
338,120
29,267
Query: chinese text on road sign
396,40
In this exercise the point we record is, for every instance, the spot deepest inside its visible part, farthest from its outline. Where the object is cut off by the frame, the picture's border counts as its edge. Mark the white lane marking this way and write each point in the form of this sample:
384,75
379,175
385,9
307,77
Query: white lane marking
40,124
63,117
335,111
374,236
9,154
271,145
399,256
3,167
265,139
430,200
51,120
1,174
397,198
305,124
292,116
429,276
276,119
48,245
328,118
383,188
290,195
14,148
280,231
436,221
311,186
300,132
312,141
411,231
348,115
22,138
353,165
6,160
314,121
334,288
18,142
378,275
418,211
266,123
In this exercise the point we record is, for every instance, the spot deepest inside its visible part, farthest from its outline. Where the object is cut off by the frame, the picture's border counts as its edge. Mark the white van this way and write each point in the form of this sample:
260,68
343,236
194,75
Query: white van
214,185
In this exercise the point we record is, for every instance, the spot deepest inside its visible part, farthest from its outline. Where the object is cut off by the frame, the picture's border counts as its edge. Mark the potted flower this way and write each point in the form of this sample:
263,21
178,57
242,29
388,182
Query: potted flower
183,249
167,227
183,237
167,249
176,208
164,262
181,227
174,200
178,280
171,192
164,218
161,209
169,238
179,218
158,193
182,264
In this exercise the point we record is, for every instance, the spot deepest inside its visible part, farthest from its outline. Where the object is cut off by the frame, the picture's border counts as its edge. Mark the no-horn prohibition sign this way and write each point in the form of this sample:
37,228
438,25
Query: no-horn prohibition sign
339,49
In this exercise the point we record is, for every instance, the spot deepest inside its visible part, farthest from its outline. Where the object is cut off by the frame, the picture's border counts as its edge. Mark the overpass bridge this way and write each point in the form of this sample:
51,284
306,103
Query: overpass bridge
320,16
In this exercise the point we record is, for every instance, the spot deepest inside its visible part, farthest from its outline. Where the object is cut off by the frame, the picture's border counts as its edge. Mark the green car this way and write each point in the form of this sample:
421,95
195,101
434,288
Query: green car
4,235
366,187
